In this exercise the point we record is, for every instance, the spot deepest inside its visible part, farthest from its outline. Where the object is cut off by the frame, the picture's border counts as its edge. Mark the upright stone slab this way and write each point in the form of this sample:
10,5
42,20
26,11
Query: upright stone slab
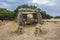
39,18
30,18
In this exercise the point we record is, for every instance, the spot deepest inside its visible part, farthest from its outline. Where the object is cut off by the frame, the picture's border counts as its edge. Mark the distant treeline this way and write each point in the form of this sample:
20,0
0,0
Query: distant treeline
57,17
11,15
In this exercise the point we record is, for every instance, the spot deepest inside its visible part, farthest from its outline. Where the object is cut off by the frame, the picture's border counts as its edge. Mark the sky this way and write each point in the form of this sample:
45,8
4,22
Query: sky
51,7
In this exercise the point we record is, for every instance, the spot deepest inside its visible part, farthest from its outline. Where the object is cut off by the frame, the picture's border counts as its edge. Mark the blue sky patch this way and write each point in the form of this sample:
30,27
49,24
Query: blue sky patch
52,7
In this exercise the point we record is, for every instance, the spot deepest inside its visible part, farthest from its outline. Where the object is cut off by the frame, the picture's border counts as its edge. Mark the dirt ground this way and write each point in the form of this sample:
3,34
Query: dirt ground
53,32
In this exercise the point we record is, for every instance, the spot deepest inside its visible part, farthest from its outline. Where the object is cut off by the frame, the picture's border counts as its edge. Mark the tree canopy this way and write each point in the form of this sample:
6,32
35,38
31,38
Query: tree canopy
25,6
43,13
45,16
57,17
6,14
10,15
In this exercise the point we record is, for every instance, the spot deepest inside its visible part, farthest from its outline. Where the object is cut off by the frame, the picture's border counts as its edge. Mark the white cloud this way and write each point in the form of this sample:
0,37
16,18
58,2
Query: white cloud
11,0
46,2
8,4
4,5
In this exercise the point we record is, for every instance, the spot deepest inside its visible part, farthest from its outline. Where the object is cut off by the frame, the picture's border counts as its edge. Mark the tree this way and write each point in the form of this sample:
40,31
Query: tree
6,14
57,17
25,6
45,16
43,13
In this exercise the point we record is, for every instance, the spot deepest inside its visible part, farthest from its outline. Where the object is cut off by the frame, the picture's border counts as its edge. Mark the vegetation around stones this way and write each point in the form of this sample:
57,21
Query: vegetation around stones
6,14
43,13
11,15
58,17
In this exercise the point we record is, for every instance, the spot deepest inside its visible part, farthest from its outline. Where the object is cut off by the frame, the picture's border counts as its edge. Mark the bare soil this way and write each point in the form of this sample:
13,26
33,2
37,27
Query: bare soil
52,32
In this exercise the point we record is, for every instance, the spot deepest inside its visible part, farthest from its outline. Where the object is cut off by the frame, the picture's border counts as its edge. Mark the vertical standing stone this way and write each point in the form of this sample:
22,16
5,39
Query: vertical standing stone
30,18
20,19
21,23
39,17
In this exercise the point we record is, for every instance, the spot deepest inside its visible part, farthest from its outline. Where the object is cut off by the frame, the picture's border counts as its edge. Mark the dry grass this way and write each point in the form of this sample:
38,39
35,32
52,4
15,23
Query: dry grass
53,32
14,26
3,22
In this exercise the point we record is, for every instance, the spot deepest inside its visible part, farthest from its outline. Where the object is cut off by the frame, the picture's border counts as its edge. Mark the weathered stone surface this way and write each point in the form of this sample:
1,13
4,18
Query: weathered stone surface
30,18
22,10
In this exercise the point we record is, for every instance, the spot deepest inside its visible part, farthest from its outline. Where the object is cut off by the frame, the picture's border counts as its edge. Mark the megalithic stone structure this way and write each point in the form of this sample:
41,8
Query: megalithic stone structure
28,11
